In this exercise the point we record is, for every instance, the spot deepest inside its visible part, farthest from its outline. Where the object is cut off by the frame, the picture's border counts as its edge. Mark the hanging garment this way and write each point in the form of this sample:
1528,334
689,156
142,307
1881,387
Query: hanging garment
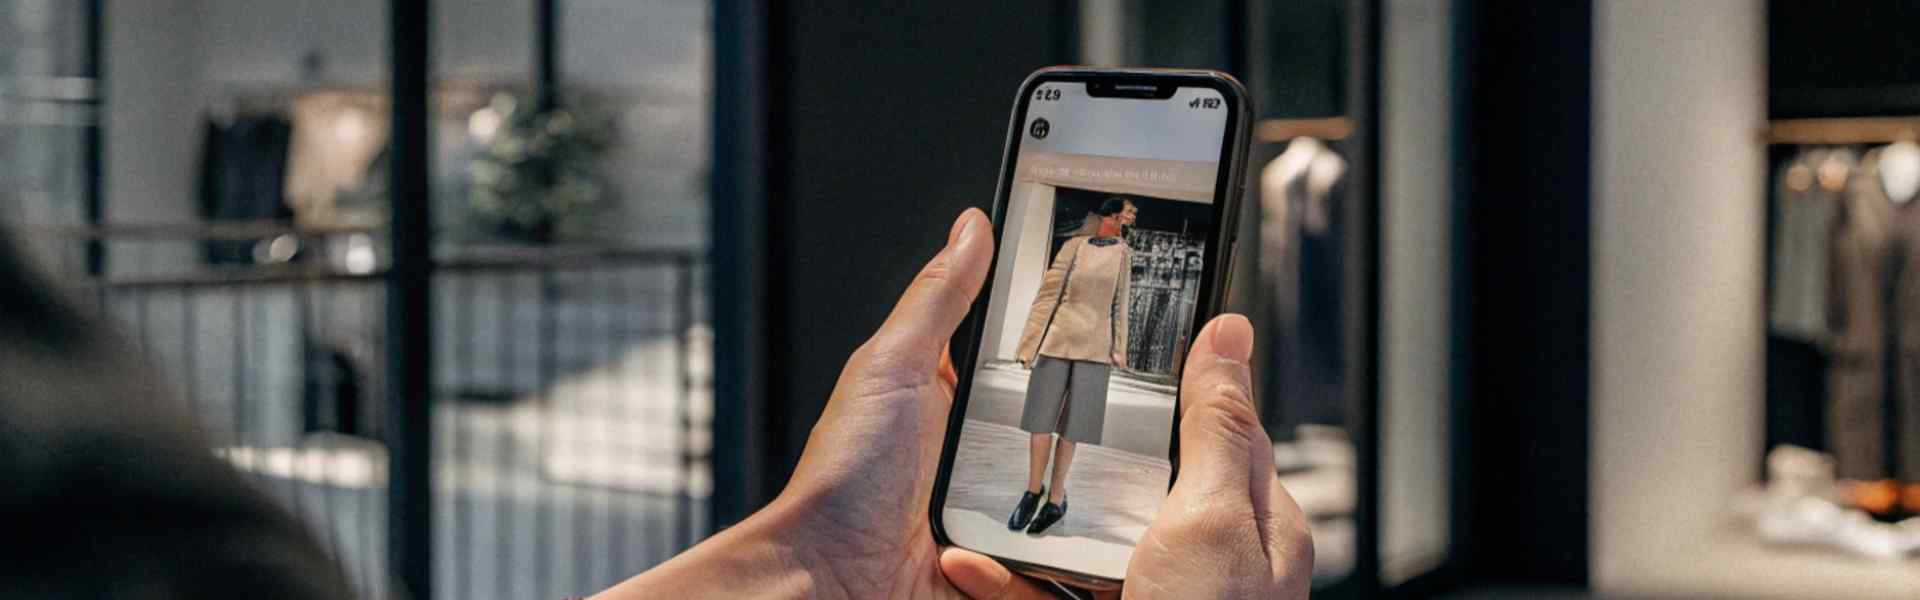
332,393
1903,363
1322,319
1802,236
336,138
1856,390
1873,411
243,166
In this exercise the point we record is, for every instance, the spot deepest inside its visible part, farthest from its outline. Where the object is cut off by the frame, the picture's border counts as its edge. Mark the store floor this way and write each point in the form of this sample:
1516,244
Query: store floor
531,499
1731,561
1521,592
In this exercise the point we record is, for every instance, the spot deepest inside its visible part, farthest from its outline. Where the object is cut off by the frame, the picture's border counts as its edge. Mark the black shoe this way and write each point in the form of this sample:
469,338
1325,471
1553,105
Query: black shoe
1049,514
1023,512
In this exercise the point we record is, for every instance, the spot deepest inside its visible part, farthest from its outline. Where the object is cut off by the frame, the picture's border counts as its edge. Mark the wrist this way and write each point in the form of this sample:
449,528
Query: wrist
835,557
811,555
755,558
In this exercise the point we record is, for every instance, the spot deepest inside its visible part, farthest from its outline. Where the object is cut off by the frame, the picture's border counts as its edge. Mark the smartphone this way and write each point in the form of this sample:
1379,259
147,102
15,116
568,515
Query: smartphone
1114,224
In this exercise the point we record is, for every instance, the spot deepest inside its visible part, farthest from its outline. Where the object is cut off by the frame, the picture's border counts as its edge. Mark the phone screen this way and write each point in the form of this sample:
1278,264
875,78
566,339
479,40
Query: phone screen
1102,256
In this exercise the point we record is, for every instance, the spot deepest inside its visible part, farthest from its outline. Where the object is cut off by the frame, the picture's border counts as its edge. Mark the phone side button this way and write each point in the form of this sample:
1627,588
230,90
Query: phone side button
1233,264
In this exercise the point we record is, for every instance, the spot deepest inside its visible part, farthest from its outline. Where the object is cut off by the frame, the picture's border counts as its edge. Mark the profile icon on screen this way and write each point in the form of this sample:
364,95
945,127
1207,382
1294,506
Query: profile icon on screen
1040,129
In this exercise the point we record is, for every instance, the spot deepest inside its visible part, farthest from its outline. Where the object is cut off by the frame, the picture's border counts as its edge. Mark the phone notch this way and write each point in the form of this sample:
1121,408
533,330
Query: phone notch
1144,90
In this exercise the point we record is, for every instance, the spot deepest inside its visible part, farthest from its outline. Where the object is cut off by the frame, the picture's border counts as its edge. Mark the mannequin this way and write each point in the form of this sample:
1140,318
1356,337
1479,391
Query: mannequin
1300,267
1899,167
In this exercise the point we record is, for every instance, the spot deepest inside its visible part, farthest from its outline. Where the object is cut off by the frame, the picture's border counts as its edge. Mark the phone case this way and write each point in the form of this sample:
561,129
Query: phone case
1212,294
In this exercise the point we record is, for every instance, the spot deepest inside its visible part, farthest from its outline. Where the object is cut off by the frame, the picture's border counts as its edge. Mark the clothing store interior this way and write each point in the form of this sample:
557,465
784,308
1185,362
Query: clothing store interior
519,298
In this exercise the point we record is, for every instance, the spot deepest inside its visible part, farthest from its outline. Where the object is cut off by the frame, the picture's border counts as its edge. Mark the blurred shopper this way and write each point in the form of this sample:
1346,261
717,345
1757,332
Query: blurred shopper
109,491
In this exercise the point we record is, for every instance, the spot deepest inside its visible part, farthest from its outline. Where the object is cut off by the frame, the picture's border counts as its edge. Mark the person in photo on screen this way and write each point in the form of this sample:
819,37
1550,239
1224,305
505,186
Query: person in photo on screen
1090,226
1075,334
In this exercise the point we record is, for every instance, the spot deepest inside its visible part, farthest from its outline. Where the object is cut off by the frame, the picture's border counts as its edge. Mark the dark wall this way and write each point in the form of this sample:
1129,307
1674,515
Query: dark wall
1521,326
1853,58
1188,34
886,120
1299,65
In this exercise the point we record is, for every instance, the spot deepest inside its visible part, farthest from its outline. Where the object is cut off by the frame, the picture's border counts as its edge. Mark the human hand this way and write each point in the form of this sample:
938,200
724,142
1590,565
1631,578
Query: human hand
866,477
1118,361
852,521
1227,529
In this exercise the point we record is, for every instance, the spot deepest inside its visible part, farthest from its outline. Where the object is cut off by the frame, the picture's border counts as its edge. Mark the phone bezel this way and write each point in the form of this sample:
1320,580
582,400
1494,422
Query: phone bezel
1220,246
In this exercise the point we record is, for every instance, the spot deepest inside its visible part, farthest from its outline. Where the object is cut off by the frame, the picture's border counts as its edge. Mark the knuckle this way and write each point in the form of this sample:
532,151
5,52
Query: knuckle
1211,523
1233,392
886,367
1228,410
1288,509
1293,568
938,270
1223,527
1289,543
1294,539
1297,544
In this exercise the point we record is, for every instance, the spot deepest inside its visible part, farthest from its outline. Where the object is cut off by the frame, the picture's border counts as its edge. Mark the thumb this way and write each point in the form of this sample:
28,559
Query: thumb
1221,439
980,578
922,322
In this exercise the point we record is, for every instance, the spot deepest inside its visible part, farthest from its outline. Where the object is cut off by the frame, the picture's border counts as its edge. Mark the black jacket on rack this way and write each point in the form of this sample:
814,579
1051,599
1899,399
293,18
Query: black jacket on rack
243,173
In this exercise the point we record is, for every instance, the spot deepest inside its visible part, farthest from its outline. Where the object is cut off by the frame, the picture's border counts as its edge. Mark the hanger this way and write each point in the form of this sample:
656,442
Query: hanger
1799,174
1275,131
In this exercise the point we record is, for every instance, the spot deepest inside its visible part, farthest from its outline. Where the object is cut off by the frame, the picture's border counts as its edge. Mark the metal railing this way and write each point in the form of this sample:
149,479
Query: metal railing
571,412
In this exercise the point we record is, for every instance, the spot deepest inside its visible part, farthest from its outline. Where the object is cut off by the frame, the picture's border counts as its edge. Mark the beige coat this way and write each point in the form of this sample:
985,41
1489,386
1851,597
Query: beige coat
1080,312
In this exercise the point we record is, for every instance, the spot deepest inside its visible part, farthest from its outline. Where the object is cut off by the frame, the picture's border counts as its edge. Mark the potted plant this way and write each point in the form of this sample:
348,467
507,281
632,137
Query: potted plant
535,178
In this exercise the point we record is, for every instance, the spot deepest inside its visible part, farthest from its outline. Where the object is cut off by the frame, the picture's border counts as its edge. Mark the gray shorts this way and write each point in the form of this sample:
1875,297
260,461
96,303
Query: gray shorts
1068,397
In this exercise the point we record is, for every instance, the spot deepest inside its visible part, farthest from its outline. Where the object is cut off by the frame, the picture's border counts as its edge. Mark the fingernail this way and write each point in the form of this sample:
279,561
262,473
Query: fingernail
1233,338
959,229
966,232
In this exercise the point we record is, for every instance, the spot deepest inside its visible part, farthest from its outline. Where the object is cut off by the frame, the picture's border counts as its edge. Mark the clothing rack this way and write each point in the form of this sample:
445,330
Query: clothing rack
1274,131
452,96
235,100
1842,131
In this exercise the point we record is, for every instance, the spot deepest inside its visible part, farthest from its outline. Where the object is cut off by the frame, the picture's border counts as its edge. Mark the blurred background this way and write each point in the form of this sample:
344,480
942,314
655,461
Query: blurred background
517,298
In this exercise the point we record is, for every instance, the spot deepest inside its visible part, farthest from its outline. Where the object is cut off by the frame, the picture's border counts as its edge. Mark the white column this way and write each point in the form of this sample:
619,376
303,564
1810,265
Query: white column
1678,217
1416,188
